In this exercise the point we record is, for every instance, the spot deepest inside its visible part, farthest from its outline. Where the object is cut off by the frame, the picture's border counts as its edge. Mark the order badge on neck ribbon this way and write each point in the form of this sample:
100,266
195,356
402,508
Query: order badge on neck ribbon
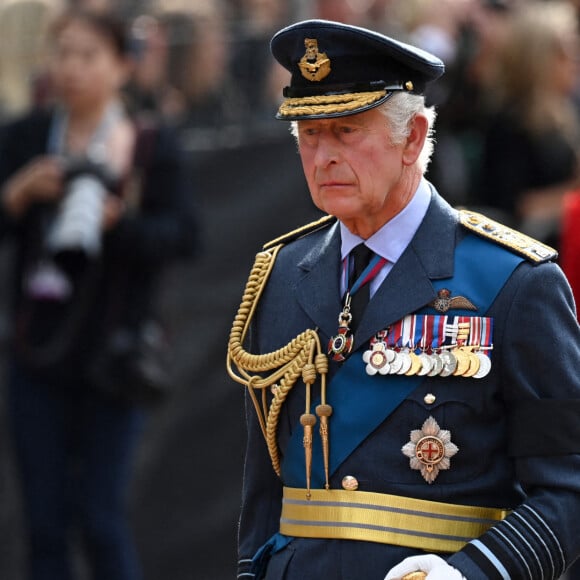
340,345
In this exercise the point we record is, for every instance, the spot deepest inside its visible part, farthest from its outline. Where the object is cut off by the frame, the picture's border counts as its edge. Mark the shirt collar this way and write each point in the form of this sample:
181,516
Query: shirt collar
393,238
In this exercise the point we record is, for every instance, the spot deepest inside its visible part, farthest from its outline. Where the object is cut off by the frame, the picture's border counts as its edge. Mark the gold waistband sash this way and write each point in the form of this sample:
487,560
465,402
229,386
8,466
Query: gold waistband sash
382,518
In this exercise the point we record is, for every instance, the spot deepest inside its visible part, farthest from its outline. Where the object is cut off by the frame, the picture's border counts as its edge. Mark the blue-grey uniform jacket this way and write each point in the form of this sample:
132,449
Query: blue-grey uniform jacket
517,429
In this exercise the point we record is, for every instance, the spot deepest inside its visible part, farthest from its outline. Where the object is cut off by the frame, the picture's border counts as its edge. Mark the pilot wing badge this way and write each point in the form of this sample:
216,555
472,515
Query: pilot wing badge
445,302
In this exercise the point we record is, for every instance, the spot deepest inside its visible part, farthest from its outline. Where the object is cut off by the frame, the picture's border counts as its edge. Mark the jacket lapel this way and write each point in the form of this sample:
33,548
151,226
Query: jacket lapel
318,291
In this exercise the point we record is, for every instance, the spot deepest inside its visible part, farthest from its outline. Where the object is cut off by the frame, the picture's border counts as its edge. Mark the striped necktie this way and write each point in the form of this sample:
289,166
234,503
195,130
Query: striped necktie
362,256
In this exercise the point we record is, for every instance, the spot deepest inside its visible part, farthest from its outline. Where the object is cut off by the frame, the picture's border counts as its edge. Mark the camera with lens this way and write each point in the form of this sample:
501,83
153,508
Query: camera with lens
76,229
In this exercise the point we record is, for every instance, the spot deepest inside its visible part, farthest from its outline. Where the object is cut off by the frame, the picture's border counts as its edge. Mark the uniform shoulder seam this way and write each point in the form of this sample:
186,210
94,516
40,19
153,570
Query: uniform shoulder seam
301,232
524,245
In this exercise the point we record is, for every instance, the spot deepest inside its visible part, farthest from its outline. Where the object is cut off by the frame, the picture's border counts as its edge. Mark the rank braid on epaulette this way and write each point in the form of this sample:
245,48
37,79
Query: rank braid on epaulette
518,242
302,356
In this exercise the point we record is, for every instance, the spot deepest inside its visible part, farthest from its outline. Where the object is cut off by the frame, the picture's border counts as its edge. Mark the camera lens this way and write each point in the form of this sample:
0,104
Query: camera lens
77,226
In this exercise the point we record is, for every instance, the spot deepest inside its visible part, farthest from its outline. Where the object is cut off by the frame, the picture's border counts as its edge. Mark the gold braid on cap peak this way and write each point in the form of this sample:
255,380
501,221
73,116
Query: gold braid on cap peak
328,104
302,356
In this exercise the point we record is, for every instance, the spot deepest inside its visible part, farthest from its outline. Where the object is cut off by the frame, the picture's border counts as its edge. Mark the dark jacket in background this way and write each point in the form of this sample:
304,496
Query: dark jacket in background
148,237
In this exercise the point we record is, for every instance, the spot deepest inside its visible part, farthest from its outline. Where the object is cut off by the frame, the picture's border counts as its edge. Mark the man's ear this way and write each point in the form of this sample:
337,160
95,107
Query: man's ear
416,139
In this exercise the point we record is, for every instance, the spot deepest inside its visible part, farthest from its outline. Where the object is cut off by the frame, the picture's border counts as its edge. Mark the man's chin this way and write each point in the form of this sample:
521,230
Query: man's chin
340,208
342,213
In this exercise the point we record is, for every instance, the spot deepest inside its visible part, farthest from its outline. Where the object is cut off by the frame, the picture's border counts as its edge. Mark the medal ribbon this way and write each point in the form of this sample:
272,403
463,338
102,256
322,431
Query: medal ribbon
418,333
438,332
486,335
475,331
408,331
397,334
427,337
345,269
464,329
451,330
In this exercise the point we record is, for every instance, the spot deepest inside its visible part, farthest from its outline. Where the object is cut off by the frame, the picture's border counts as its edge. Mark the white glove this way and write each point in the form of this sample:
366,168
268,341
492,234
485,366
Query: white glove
437,568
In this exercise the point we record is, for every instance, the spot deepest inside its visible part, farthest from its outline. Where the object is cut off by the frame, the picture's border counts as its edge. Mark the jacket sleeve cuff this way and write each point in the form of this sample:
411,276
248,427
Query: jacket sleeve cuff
244,569
523,546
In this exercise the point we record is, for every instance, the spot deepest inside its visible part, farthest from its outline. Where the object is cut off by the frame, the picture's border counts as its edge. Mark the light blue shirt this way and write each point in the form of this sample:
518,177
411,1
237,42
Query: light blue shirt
393,238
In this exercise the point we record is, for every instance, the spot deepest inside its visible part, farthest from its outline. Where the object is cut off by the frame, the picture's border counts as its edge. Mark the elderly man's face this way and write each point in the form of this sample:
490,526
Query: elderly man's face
351,166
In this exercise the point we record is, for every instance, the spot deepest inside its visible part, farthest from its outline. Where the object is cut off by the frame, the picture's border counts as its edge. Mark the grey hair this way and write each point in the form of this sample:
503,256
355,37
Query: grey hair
399,110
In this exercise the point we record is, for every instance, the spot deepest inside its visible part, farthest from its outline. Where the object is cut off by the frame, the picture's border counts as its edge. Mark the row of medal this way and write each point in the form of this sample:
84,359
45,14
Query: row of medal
432,345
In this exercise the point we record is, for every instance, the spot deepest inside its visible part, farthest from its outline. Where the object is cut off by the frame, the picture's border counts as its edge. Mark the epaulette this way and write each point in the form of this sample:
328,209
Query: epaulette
301,232
516,241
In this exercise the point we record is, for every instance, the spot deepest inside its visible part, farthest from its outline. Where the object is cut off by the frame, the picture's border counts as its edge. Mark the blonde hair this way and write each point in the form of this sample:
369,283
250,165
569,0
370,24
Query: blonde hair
535,39
24,26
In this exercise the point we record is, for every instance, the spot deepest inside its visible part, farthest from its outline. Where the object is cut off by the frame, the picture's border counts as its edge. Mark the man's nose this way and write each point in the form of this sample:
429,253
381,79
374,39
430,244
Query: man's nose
327,151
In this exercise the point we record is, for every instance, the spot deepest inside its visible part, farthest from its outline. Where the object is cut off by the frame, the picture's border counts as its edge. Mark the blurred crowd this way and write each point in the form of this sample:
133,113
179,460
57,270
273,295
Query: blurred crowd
507,131
507,106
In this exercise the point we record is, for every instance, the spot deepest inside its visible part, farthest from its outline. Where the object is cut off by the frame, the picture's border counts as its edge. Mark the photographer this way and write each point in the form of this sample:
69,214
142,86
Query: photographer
97,204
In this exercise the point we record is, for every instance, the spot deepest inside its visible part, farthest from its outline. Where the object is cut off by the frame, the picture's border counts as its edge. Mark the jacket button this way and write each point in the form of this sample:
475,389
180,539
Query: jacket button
429,398
349,483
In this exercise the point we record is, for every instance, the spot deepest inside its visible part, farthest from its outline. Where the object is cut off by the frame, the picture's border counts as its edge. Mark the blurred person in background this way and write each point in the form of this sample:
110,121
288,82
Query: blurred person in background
96,6
530,150
97,205
570,262
466,35
189,84
570,241
181,64
148,91
257,77
356,12
196,65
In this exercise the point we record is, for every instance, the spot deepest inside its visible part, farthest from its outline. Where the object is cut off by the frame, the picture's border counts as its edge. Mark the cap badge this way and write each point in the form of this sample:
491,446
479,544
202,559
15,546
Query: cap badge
314,65
430,449
445,302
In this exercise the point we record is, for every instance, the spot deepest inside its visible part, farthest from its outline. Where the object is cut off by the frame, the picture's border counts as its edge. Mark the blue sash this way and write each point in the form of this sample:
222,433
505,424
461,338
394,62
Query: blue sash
361,402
